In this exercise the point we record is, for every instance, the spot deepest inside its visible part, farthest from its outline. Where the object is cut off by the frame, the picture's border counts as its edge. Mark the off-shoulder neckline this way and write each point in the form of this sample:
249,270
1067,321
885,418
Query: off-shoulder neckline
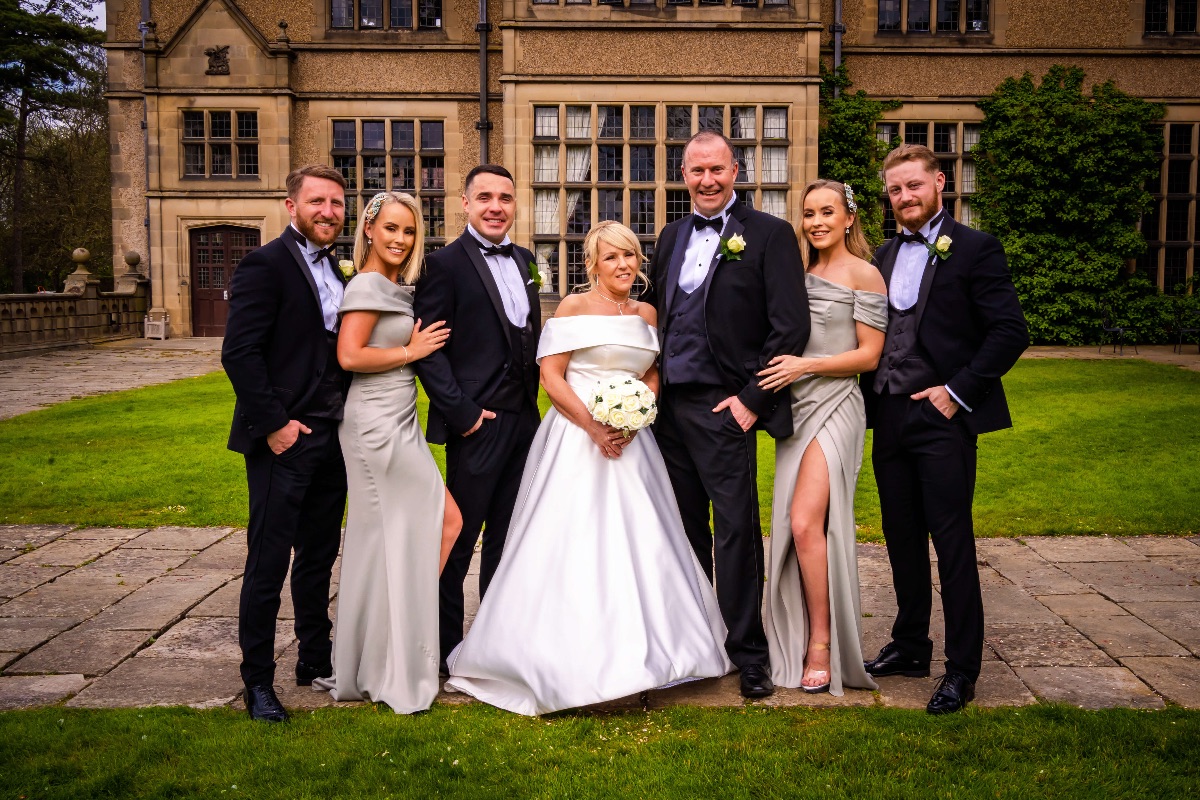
842,285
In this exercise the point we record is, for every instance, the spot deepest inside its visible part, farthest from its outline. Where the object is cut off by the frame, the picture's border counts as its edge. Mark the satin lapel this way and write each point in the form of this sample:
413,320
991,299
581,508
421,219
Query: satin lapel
931,266
302,261
673,268
733,227
485,275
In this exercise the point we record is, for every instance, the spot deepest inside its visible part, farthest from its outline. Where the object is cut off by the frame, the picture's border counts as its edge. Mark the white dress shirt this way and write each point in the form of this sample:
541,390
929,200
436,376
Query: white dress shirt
329,286
701,248
911,260
510,280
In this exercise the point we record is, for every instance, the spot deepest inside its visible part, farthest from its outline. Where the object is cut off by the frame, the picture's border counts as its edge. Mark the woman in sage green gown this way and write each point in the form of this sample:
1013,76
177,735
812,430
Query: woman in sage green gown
812,604
401,520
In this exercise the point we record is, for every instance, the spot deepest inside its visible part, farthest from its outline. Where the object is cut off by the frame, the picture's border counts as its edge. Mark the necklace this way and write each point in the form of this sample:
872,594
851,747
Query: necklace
617,303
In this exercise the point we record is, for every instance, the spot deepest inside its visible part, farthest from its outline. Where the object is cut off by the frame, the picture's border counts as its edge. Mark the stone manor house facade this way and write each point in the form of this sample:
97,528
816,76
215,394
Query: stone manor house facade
587,102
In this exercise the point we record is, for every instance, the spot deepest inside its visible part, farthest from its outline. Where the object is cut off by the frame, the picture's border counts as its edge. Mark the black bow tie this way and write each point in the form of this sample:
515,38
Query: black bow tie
496,249
909,238
322,254
716,223
302,240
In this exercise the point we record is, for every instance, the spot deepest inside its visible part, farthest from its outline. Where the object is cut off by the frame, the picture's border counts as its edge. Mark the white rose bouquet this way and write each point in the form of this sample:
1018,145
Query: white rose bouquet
625,405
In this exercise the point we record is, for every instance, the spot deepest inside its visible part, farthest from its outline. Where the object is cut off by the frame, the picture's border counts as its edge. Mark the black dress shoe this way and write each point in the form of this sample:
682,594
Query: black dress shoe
264,705
891,661
953,691
307,673
756,681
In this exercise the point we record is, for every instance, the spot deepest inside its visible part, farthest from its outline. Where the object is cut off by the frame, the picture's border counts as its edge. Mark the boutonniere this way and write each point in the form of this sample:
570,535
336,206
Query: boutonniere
940,248
732,247
346,267
535,276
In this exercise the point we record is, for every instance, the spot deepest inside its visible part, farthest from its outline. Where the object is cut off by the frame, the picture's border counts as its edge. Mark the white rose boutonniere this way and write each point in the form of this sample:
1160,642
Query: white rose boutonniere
346,267
732,247
941,248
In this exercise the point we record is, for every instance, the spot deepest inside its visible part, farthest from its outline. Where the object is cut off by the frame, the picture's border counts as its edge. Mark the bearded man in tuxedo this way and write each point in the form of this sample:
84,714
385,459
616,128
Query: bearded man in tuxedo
955,327
729,289
280,353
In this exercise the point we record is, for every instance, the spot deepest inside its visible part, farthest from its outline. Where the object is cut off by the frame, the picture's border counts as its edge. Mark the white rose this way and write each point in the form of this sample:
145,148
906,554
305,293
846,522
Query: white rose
631,403
735,243
651,415
618,418
599,410
942,245
637,420
612,398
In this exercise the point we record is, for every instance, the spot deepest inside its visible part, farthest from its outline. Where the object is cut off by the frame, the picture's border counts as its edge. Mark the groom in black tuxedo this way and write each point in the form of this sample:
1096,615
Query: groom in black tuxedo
729,289
483,385
955,326
280,353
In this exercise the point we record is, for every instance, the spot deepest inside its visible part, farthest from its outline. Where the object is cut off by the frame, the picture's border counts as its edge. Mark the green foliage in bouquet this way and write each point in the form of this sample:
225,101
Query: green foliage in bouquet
1061,180
847,149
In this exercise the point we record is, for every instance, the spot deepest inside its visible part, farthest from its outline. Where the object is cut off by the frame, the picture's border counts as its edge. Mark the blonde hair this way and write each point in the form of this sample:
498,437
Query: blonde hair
617,235
411,268
856,240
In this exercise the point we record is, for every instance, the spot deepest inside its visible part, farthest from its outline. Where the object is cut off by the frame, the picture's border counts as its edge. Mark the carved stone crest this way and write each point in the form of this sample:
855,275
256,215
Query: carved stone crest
218,60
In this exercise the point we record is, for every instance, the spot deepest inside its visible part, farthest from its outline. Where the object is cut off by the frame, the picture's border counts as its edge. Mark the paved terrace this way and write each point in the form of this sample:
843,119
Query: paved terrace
114,617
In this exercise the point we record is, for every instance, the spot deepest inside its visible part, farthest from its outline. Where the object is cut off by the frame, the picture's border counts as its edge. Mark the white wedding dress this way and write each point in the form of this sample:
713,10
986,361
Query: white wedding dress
598,595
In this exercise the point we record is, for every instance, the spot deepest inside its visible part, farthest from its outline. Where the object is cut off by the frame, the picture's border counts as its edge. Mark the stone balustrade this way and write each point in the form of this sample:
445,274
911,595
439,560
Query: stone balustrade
79,315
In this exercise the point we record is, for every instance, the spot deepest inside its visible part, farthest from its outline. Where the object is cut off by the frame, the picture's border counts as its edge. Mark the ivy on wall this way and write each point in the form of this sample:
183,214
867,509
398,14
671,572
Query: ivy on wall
847,149
1061,181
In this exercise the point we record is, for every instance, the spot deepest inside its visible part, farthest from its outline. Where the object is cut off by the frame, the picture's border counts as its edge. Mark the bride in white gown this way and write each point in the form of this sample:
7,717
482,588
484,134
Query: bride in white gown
598,595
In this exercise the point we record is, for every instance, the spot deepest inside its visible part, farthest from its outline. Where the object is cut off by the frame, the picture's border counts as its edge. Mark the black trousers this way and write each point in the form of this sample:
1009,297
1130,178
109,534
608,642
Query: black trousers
483,474
297,500
712,462
925,468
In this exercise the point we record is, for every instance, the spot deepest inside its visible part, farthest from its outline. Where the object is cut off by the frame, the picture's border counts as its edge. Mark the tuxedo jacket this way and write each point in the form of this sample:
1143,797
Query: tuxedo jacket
276,349
756,307
458,287
970,326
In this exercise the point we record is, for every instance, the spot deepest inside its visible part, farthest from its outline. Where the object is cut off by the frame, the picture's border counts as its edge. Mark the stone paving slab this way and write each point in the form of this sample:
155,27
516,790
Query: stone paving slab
1188,567
1008,604
1089,687
1165,546
139,682
1023,645
88,649
1066,549
128,560
1127,636
210,638
227,554
73,595
17,539
1177,621
20,578
1177,679
159,603
1092,604
118,534
66,553
174,538
37,690
21,634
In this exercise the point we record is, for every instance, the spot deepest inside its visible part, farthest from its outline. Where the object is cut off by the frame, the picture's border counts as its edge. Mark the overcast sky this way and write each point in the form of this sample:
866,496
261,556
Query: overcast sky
98,10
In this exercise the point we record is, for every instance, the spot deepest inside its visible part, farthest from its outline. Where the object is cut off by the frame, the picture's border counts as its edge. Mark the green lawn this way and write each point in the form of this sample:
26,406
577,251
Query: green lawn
480,752
1098,447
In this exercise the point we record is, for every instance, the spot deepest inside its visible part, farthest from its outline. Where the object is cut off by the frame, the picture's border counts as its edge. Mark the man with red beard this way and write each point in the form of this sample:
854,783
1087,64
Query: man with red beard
955,327
280,353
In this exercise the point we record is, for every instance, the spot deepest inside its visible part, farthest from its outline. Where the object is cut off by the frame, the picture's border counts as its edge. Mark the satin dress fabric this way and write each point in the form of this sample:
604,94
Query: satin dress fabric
385,638
831,411
598,595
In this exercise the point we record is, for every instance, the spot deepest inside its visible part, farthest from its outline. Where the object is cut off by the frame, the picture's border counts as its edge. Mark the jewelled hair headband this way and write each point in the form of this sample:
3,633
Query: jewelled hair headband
853,206
374,206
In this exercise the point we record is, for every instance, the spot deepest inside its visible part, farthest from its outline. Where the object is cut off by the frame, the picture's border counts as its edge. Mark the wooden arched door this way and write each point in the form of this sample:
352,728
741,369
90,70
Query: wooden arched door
215,254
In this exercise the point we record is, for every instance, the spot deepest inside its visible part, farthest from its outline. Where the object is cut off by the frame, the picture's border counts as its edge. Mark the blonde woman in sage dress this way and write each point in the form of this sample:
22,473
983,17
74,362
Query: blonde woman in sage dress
401,521
812,597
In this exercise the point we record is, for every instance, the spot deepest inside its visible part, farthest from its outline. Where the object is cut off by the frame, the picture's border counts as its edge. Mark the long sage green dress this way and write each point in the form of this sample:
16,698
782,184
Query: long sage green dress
385,640
831,411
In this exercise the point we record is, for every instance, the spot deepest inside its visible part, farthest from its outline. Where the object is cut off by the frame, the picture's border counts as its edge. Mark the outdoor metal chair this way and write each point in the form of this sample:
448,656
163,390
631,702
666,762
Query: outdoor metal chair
1117,333
1186,325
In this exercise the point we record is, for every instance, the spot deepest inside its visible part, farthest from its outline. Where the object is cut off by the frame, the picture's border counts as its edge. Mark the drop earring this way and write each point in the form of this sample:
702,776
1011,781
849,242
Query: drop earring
369,239
847,231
